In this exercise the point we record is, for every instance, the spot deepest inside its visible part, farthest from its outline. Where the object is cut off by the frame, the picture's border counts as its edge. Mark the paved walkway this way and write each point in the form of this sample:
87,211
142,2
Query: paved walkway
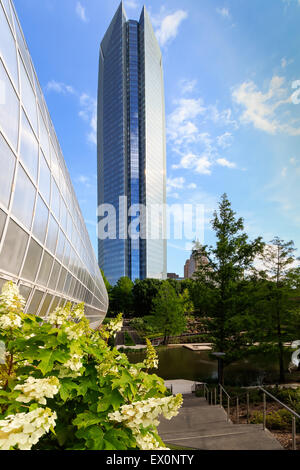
184,387
205,427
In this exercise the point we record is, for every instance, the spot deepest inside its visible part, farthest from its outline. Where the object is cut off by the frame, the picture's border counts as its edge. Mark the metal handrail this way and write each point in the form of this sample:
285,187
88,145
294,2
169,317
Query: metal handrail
280,403
228,396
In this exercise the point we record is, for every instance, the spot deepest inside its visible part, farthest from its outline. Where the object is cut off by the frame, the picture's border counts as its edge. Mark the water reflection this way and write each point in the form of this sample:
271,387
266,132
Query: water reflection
181,363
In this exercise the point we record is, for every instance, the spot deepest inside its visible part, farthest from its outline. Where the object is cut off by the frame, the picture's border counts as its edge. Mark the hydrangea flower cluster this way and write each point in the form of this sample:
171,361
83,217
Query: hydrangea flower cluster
151,361
148,442
24,430
59,316
72,367
11,305
115,325
38,390
144,413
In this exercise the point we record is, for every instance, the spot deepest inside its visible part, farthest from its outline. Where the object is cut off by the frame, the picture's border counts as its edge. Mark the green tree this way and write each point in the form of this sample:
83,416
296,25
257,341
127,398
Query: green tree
122,297
278,310
144,291
106,283
222,280
168,310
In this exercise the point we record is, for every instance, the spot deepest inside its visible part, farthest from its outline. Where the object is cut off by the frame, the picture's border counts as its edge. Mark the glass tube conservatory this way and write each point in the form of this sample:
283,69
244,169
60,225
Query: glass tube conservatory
44,243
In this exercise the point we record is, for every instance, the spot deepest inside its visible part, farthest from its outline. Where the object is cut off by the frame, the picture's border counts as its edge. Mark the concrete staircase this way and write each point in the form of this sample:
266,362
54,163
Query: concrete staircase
205,427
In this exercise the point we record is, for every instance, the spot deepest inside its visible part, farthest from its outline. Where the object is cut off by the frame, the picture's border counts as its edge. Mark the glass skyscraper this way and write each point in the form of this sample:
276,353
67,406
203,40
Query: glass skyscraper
132,148
44,243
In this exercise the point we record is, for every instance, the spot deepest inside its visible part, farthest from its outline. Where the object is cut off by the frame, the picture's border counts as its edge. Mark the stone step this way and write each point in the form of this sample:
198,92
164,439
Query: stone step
260,440
210,428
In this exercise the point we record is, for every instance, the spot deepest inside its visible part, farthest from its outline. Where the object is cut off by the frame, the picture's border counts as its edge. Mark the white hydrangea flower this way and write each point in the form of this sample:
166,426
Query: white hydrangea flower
11,298
59,316
148,442
145,413
10,320
24,430
72,367
38,390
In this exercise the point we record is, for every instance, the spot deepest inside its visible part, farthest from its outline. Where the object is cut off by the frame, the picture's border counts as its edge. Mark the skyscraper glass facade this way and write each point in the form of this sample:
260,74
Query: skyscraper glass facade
132,148
44,244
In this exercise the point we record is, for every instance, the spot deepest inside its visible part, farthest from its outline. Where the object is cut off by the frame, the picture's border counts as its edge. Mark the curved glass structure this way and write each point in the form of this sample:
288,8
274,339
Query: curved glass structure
132,148
44,243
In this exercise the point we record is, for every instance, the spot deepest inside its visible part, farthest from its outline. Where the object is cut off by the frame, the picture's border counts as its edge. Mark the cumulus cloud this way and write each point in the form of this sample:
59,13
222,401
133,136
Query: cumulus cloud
167,25
188,135
175,183
226,163
131,4
225,140
88,113
187,86
223,12
59,87
87,106
264,109
80,12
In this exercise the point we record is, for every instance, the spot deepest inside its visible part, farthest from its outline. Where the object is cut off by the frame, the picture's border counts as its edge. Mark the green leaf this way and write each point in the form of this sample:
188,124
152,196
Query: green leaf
84,420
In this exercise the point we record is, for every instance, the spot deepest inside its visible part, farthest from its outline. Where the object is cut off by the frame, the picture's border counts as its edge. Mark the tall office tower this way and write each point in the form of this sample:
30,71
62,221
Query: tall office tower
44,244
132,148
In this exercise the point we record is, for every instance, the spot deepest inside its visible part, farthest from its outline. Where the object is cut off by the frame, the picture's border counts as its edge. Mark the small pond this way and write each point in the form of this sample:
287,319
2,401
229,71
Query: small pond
181,363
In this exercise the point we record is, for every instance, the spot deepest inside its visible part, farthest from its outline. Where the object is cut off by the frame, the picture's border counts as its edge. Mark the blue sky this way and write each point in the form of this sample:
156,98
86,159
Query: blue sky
233,116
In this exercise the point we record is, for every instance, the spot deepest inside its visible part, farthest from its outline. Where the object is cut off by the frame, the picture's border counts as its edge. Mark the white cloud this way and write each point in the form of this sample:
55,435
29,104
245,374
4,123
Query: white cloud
225,140
175,183
226,163
263,109
131,4
87,105
192,186
203,165
285,62
88,113
187,86
223,12
80,11
59,87
84,180
168,25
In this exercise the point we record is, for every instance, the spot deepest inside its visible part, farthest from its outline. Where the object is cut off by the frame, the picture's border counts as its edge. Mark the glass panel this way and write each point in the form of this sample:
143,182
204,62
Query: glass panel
45,306
25,291
44,140
63,216
45,179
62,279
29,152
8,48
52,235
24,198
28,97
55,200
54,275
45,269
54,304
60,246
41,220
32,262
8,162
7,9
9,108
35,302
2,222
67,284
13,250
23,48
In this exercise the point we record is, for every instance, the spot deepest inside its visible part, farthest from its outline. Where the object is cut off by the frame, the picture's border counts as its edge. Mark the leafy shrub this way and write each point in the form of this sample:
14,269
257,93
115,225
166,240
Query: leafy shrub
280,420
128,340
62,386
